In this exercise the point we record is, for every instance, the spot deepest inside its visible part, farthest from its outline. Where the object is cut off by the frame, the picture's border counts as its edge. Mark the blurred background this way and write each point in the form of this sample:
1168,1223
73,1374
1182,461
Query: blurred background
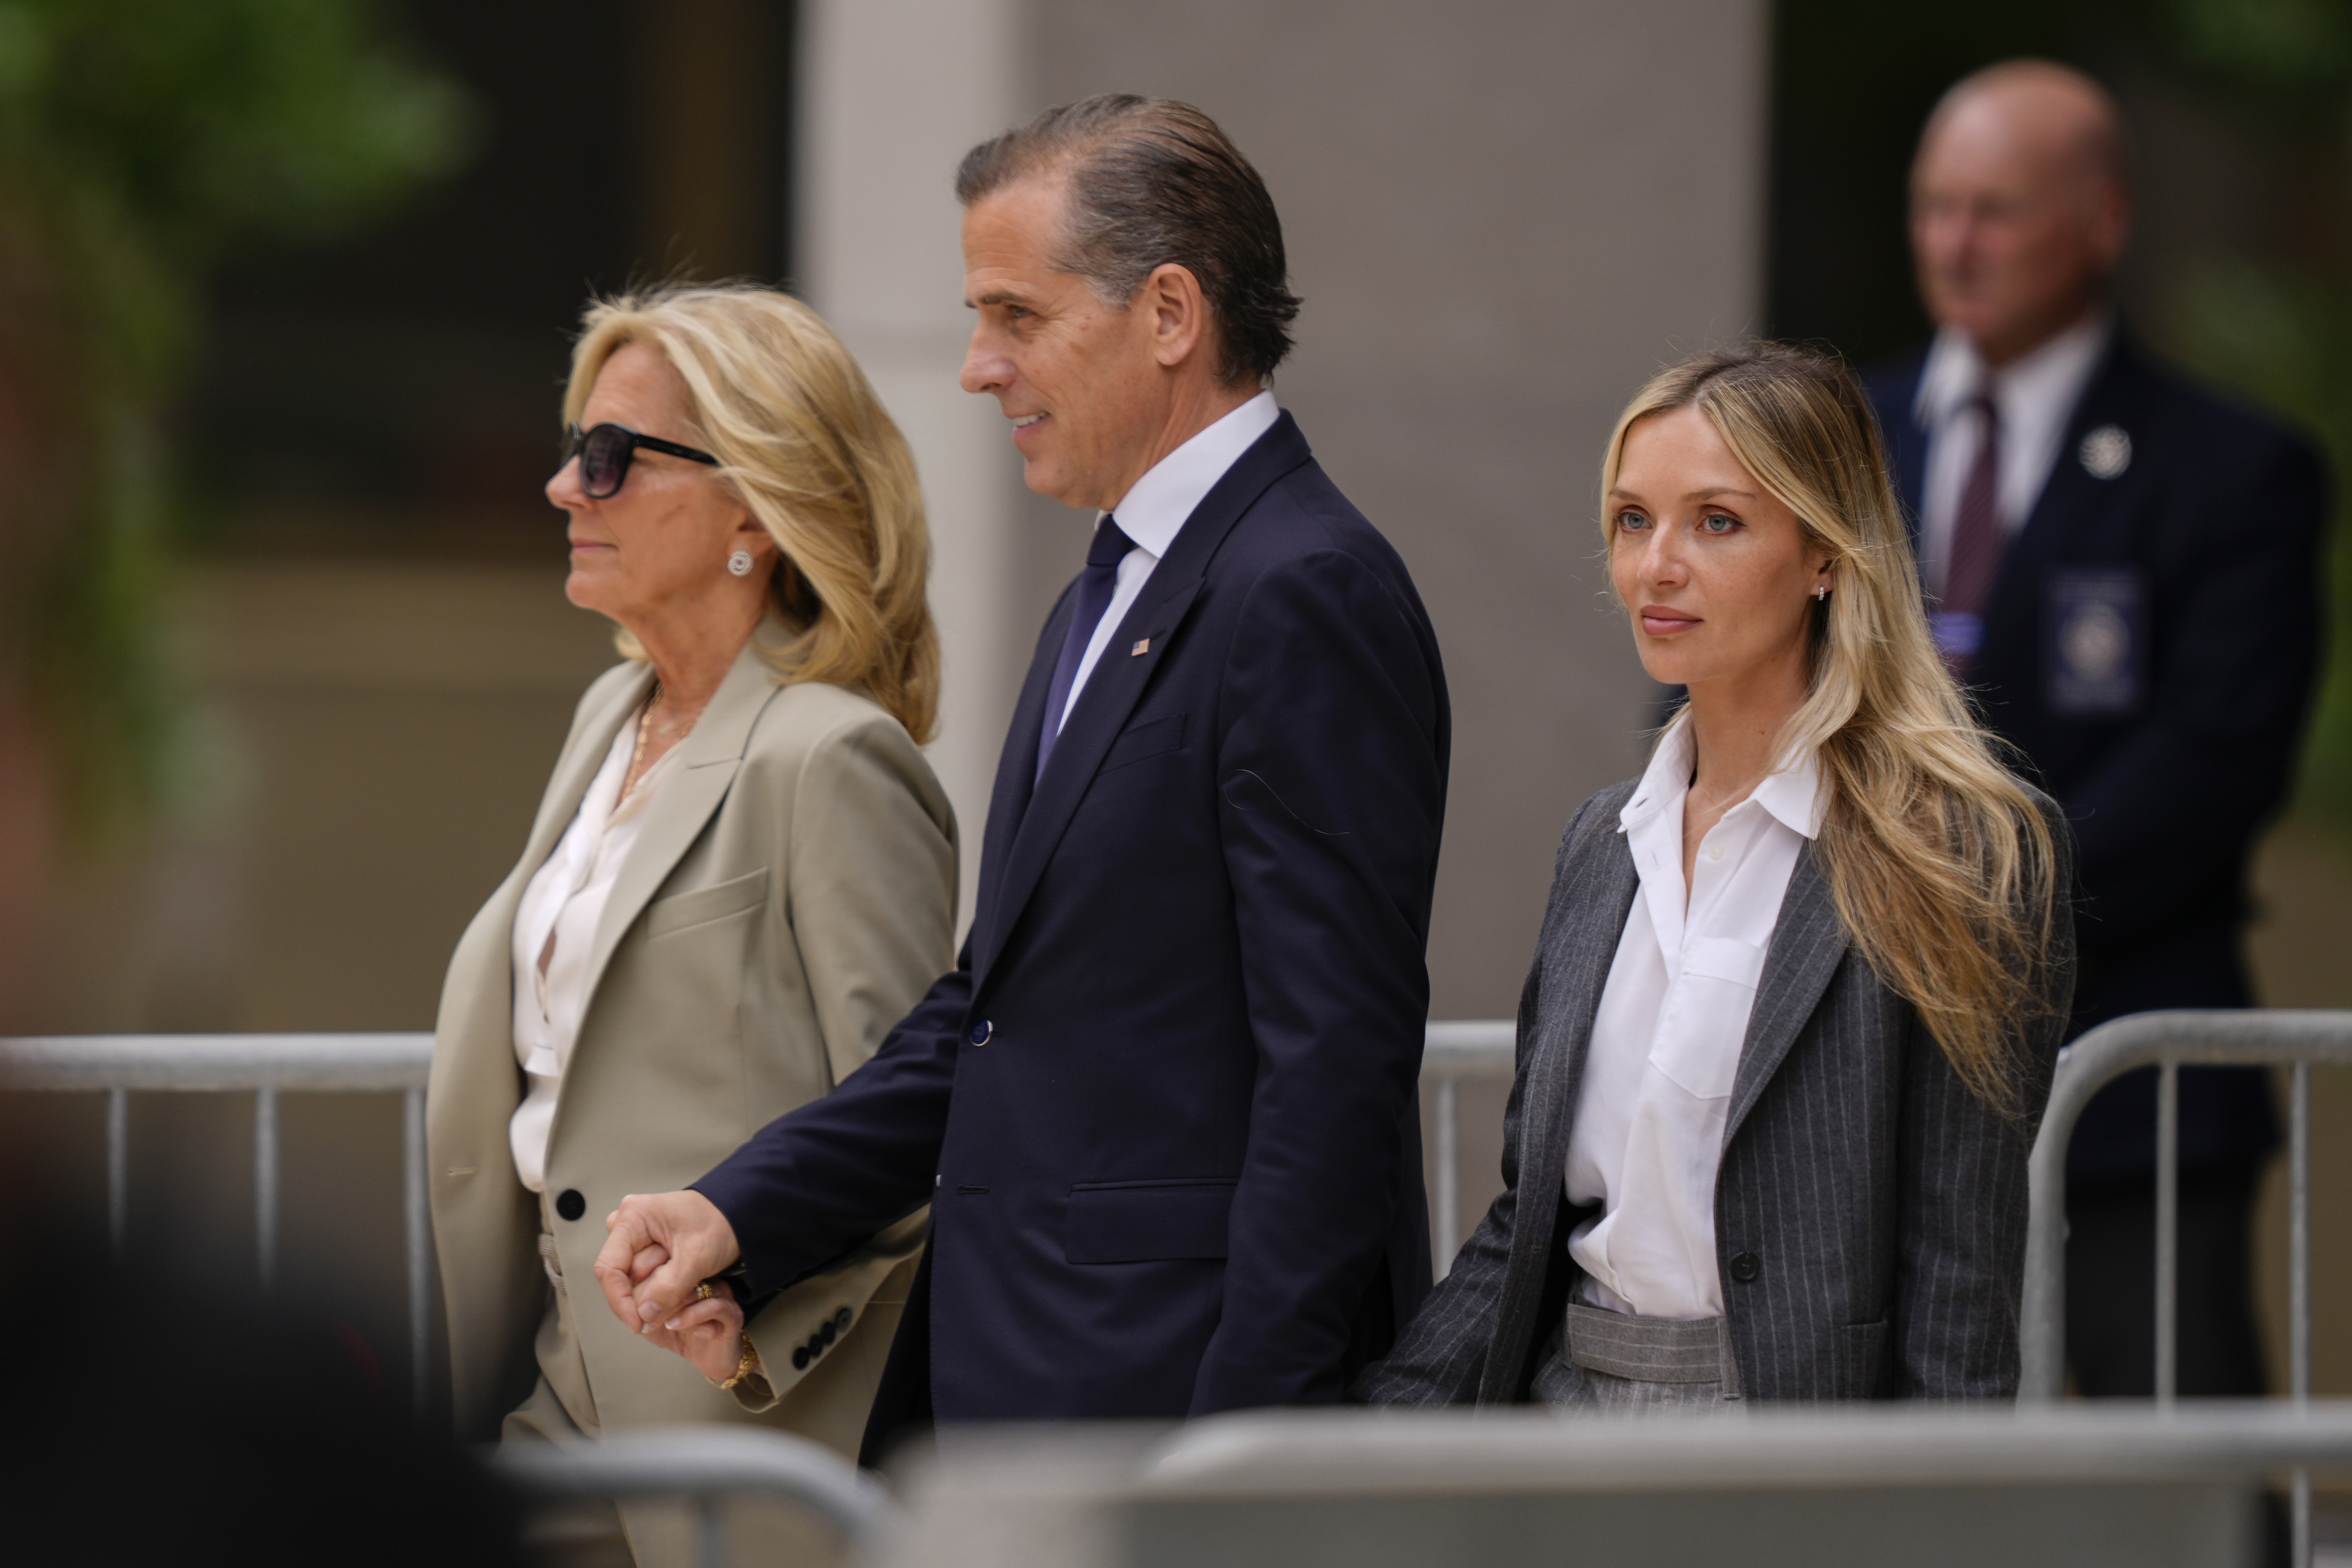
285,289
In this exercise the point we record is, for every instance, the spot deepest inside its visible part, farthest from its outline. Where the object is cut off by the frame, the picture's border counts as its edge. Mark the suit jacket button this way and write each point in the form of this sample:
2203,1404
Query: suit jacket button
828,1334
1744,1267
842,1319
980,1030
569,1204
800,1358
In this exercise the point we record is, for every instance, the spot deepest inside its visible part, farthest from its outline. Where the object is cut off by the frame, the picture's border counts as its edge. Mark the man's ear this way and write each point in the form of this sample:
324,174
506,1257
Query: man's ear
1178,313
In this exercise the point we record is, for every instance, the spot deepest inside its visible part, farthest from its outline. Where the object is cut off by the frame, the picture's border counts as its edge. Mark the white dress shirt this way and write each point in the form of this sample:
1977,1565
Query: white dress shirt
1657,1090
2035,395
1153,512
557,920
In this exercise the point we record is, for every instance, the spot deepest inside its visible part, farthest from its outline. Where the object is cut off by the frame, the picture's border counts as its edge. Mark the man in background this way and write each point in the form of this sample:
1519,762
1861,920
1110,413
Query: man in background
2123,570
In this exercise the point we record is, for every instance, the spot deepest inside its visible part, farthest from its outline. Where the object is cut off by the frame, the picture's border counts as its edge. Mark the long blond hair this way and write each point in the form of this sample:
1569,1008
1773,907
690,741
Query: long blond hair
1941,867
804,442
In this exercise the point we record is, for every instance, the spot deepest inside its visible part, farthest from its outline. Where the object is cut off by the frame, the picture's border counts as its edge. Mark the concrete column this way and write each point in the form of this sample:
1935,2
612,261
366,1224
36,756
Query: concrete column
892,92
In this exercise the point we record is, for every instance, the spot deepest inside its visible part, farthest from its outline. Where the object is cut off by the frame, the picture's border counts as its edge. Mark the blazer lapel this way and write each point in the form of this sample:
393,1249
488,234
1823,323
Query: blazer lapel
1116,684
574,772
1591,900
708,760
1808,942
1016,770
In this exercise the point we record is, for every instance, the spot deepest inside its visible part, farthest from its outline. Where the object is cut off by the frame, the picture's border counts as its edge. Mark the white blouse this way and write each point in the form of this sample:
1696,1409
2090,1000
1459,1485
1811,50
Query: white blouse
555,929
1657,1090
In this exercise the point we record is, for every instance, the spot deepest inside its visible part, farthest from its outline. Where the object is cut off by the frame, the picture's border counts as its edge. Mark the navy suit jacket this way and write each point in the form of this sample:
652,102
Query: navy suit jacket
1166,1106
2217,518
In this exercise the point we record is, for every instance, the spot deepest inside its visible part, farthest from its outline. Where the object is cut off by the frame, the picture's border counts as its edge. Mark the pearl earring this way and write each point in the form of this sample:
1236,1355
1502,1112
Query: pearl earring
1820,593
739,563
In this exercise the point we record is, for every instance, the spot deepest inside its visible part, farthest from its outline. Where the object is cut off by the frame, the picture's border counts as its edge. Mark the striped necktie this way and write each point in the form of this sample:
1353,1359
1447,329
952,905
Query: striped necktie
1978,541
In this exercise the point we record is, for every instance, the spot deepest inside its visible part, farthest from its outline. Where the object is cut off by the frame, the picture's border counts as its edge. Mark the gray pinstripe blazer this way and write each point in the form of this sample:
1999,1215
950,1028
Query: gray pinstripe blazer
1885,1204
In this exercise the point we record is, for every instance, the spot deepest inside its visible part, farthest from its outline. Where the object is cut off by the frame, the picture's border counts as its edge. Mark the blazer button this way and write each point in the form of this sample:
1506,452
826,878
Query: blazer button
800,1358
980,1031
1744,1267
569,1204
828,1334
842,1319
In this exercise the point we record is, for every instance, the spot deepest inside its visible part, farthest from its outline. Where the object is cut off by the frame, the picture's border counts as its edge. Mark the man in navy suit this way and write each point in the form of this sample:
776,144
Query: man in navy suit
1164,1108
2125,573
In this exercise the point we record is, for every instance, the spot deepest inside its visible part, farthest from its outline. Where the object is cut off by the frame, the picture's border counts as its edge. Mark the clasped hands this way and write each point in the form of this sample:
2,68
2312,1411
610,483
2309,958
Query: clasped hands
657,1249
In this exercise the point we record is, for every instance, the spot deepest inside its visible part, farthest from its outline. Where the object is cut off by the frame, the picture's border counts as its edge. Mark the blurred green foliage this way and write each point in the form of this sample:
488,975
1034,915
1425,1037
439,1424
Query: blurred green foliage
142,143
2278,327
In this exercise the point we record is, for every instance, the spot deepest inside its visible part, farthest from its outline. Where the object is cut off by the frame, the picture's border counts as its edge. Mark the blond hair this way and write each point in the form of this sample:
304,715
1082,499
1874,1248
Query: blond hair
1941,865
806,443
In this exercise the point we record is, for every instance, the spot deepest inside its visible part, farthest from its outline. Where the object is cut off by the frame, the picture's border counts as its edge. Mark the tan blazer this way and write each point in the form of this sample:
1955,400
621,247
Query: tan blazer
791,895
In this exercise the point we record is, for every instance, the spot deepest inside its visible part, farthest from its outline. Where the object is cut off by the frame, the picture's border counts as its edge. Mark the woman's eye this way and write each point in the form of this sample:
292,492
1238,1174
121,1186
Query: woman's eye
1715,522
1631,520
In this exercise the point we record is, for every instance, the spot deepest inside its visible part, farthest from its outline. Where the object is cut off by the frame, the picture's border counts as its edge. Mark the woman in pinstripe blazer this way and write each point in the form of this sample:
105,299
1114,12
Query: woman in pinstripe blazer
1792,1017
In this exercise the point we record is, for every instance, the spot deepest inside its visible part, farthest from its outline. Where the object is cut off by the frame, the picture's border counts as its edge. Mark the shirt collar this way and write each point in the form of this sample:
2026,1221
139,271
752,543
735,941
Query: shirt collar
1154,508
2050,378
1792,792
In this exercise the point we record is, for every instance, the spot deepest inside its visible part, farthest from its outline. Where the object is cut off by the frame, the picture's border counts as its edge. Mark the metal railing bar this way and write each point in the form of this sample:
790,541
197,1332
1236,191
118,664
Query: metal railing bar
1469,1048
418,1222
219,1062
2240,1038
265,1182
1447,1199
118,1174
2298,1269
702,1461
2167,1233
709,1546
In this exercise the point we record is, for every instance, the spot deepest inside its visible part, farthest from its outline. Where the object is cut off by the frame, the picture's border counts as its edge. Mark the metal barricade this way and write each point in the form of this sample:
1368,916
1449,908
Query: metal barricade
706,1464
1481,1048
2165,1041
264,1066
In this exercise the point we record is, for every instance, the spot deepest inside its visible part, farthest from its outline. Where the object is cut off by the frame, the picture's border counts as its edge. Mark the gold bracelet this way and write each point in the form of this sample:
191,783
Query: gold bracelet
746,1364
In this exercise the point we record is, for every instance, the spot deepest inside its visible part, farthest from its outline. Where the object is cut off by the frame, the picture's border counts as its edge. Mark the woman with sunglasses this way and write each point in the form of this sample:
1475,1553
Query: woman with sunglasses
742,874
1794,1011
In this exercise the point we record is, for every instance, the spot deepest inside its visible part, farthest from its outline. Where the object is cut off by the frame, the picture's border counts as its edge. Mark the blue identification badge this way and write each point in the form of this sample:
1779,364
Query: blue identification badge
2093,640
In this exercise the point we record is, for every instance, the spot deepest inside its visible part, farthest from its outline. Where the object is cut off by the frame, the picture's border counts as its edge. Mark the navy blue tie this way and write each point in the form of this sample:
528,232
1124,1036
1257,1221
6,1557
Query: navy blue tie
1095,587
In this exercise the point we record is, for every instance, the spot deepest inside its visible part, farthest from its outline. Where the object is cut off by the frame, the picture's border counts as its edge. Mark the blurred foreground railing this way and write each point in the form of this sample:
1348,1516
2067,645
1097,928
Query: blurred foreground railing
706,1465
2259,1037
264,1066
1853,1486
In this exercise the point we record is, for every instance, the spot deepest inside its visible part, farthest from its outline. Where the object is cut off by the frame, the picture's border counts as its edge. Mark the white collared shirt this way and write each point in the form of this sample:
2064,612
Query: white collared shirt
2035,395
1153,511
557,920
1655,1095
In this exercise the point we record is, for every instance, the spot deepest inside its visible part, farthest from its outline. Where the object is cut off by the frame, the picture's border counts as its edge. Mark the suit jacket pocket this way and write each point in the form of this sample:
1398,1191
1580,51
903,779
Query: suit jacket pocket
1861,1370
1150,740
1142,1222
705,904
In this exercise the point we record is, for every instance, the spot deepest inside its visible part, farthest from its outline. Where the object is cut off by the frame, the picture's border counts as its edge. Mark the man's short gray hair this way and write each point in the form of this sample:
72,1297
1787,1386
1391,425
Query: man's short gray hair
1153,182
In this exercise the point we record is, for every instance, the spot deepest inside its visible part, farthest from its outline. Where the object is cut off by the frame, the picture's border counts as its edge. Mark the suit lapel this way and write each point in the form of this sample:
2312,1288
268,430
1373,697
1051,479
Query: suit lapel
1017,766
1113,688
708,760
2014,601
1808,942
575,771
1591,900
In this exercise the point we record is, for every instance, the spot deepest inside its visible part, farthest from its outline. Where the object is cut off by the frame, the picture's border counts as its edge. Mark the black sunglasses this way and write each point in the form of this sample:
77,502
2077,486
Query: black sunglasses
605,452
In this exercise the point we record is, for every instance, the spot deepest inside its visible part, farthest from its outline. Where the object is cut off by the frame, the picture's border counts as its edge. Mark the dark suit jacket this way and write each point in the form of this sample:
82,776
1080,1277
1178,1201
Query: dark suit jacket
1168,1100
1881,1203
2217,520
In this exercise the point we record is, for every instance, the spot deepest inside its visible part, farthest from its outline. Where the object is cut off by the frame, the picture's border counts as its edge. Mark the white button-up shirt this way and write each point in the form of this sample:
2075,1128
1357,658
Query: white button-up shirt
557,921
2035,395
1153,512
1657,1090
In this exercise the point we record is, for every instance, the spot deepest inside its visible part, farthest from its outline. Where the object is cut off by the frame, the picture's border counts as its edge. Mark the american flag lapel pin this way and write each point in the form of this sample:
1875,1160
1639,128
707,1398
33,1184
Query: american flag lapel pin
1140,649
